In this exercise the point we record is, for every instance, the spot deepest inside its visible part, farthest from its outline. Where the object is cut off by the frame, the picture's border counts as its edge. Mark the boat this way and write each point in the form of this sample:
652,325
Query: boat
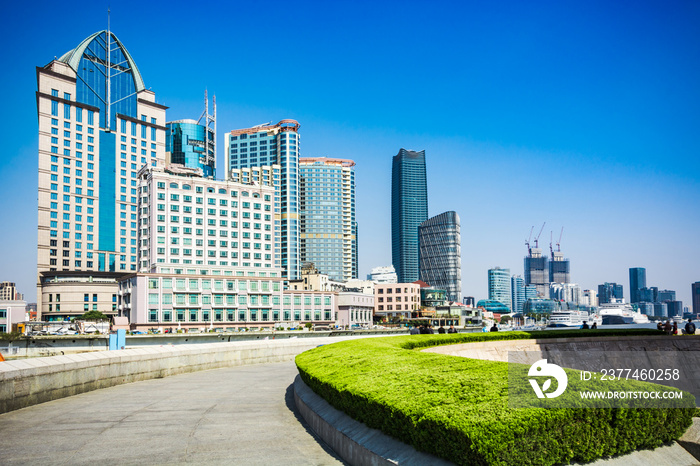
573,319
620,314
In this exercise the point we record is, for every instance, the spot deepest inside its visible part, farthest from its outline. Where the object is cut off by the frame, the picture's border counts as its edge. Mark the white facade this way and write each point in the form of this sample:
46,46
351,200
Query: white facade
189,222
589,298
12,312
355,309
565,292
385,274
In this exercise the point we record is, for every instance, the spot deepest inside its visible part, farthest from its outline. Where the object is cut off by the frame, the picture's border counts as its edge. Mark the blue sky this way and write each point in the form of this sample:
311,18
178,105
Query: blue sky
579,115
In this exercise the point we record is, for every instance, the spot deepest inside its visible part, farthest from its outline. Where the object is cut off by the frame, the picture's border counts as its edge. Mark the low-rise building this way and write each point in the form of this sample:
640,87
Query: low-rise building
396,299
355,308
12,312
69,294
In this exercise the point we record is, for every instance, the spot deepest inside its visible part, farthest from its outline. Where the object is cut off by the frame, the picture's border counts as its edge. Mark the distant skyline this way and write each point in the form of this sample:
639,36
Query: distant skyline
583,116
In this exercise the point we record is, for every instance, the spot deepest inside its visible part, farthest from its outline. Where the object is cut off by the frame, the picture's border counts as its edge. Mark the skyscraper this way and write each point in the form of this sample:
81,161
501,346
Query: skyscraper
98,125
517,292
192,144
695,294
609,291
499,286
327,213
666,295
559,268
638,280
440,254
537,271
265,145
409,208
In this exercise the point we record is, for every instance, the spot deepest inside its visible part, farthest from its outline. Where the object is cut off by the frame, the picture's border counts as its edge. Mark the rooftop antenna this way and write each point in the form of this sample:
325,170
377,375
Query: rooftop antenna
537,244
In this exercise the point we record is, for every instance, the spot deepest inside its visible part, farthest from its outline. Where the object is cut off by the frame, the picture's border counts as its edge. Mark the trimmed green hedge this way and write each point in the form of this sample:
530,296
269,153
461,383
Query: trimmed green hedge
457,408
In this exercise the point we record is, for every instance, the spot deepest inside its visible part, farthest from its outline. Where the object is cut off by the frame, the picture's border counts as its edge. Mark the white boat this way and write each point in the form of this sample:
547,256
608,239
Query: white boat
574,319
620,313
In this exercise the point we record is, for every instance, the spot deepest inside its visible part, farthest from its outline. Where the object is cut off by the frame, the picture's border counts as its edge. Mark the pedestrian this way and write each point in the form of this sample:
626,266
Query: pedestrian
430,330
594,326
690,327
441,329
494,328
414,330
668,327
423,329
452,329
659,326
585,325
675,328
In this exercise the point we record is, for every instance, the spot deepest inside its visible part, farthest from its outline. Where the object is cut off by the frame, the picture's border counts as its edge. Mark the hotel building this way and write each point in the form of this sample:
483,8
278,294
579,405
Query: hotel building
98,126
327,213
267,145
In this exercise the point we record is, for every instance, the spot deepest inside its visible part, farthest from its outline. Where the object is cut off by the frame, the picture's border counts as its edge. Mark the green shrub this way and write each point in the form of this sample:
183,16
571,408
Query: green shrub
457,408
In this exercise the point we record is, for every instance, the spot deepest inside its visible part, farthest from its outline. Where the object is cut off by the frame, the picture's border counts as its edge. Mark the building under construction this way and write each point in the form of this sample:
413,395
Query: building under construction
559,268
536,266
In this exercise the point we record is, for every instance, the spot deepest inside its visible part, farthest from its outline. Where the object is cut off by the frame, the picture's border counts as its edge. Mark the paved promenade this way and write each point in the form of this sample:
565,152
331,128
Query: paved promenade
240,415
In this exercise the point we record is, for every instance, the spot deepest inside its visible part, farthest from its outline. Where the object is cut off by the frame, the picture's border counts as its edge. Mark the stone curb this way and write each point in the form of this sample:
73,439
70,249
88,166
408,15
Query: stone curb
353,441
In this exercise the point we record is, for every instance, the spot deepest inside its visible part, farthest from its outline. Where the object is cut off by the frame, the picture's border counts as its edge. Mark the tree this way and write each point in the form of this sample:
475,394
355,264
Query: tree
506,319
93,315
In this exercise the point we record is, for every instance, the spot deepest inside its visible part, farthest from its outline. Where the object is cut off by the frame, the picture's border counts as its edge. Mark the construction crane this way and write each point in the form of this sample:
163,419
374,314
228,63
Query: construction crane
527,241
559,242
537,240
551,251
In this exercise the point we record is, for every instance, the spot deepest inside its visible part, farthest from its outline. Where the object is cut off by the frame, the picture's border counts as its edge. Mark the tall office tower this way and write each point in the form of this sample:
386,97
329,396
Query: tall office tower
98,125
674,308
517,292
695,294
648,294
638,280
409,208
499,286
327,215
440,253
193,144
537,271
559,268
608,292
660,310
666,295
278,144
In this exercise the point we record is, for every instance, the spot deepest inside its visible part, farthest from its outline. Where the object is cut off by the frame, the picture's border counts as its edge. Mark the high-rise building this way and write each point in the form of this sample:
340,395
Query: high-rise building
589,298
409,208
193,144
98,125
266,145
440,254
565,292
660,310
499,286
648,294
695,293
638,280
675,308
666,295
327,214
517,293
559,268
8,292
608,292
384,274
537,271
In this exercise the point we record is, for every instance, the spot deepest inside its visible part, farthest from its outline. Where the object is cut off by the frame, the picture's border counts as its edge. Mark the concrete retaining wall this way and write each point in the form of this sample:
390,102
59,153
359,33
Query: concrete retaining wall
30,381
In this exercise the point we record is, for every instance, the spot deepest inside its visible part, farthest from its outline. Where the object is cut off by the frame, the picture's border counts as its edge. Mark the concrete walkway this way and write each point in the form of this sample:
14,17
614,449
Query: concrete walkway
239,415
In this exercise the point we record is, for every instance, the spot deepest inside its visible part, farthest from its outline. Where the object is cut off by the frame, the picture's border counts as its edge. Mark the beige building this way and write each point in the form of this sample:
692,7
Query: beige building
313,280
8,292
98,125
396,299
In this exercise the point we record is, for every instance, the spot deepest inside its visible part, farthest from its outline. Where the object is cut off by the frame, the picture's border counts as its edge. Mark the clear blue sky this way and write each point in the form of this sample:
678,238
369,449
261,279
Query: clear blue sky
583,115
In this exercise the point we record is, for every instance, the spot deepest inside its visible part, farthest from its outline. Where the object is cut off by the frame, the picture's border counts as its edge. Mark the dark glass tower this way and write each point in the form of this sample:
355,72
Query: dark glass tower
409,208
440,254
608,291
638,280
